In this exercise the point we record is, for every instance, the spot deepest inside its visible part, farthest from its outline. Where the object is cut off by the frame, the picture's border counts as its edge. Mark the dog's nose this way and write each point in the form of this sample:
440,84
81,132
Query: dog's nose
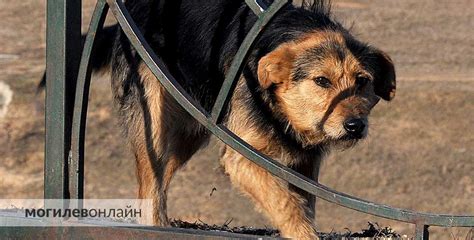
355,127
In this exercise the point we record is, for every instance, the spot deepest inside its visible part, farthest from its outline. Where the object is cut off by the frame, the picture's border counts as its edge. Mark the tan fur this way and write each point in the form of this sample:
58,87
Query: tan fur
156,164
315,113
301,108
286,209
275,67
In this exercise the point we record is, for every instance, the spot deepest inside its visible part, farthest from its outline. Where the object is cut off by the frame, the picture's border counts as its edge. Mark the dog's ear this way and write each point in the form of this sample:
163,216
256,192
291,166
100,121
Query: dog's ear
384,75
275,67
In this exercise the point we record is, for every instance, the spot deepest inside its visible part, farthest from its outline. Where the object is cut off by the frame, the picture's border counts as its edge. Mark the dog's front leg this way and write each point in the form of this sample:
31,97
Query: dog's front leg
287,210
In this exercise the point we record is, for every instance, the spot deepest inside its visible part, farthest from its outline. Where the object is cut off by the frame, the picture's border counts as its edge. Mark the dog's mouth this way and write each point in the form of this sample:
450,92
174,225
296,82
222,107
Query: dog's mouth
341,138
348,140
350,137
346,136
345,142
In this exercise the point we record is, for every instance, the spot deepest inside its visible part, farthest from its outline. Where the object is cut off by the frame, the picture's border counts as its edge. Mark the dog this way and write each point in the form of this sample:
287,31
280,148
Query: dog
308,87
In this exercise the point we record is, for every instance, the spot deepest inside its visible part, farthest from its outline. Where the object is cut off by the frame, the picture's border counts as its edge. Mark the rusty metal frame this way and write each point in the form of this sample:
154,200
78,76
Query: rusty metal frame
64,170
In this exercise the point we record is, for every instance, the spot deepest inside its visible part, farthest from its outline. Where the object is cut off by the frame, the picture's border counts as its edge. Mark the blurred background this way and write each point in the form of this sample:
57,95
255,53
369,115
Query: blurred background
419,153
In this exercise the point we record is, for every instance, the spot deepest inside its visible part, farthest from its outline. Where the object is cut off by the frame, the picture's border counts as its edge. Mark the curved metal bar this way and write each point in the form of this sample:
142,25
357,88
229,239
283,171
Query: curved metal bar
76,183
187,102
257,6
236,67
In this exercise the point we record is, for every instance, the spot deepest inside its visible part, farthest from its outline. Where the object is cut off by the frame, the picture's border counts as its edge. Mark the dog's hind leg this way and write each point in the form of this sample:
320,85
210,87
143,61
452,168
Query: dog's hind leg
154,177
163,137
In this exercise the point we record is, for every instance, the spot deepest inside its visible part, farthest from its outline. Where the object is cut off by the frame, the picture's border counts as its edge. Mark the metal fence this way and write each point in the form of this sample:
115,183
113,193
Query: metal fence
67,91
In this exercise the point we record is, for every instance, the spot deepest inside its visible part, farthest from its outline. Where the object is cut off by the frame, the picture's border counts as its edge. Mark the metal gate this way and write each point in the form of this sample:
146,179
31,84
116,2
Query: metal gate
66,114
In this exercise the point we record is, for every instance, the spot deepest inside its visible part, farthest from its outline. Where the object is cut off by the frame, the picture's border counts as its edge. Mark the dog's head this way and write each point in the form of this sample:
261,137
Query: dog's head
325,83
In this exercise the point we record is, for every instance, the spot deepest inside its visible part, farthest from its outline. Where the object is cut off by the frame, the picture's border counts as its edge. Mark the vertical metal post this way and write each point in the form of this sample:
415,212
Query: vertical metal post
421,232
63,46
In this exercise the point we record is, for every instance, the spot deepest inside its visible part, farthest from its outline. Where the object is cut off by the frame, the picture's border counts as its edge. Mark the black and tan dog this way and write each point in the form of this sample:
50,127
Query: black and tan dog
308,86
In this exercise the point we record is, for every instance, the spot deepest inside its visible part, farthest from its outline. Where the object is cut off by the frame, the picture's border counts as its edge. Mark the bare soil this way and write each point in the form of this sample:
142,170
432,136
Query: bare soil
419,153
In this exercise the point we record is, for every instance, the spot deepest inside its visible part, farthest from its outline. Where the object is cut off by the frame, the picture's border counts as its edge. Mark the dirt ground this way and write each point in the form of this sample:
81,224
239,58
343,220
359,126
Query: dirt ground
419,153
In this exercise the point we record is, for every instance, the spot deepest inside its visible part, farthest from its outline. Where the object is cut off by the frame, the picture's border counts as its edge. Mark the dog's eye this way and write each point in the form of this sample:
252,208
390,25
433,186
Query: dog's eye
361,81
322,82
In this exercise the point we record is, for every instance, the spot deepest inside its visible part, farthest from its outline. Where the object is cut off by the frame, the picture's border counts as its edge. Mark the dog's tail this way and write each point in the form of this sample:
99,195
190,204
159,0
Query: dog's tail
100,56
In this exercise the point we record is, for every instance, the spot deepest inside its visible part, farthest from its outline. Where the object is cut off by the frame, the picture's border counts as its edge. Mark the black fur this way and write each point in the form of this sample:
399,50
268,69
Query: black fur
197,39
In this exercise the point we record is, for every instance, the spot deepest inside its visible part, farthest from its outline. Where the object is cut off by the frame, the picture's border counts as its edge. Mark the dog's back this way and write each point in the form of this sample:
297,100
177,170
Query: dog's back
197,39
